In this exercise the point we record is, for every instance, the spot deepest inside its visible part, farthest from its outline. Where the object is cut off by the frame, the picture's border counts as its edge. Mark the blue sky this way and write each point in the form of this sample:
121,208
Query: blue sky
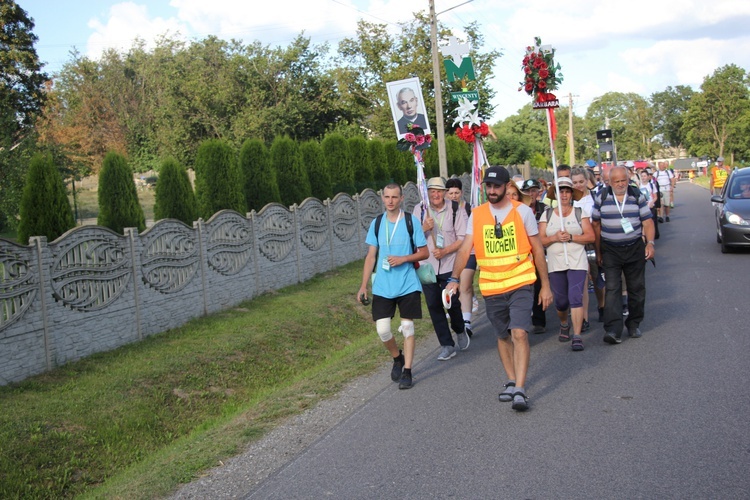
627,46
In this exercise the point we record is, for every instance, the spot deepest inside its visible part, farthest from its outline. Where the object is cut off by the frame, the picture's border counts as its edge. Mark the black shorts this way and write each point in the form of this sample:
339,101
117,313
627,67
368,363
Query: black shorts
472,263
409,306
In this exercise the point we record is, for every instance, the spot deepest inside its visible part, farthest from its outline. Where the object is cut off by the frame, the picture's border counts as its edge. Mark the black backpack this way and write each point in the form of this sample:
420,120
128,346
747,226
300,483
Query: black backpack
409,219
632,191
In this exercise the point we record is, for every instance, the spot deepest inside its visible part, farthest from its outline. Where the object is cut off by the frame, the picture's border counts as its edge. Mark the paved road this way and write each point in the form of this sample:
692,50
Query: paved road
664,416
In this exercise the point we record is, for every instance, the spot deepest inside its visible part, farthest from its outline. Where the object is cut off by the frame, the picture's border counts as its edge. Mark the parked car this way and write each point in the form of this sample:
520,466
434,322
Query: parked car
733,211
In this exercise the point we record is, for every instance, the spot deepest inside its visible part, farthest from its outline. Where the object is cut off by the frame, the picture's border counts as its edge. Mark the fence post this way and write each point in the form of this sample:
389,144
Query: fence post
198,225
39,242
130,232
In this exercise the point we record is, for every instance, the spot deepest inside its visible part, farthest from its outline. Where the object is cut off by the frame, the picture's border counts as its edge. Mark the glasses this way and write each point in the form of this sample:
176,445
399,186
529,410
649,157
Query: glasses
498,229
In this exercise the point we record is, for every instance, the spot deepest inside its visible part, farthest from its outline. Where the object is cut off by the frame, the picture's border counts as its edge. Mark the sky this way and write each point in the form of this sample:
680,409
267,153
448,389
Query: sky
605,46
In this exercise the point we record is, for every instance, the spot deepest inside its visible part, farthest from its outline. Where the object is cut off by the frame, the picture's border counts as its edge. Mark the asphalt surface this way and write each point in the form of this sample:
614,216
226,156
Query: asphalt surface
663,416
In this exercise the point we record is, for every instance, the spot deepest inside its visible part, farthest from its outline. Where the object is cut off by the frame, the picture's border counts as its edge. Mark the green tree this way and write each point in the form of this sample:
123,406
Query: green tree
379,163
336,154
174,194
716,115
360,161
45,209
669,109
320,179
22,94
118,197
261,186
218,179
396,164
294,185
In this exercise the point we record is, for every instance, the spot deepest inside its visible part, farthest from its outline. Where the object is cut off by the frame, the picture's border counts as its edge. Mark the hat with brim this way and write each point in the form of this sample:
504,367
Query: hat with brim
436,183
562,183
496,175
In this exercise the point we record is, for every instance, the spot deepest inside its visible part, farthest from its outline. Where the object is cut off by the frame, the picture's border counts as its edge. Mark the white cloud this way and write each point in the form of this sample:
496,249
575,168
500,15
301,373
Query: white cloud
126,22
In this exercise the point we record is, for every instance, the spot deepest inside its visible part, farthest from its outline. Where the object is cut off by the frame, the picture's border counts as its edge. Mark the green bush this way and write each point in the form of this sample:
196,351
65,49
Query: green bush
360,162
336,155
458,154
261,186
174,197
294,186
431,161
45,209
118,198
320,179
218,179
379,162
395,160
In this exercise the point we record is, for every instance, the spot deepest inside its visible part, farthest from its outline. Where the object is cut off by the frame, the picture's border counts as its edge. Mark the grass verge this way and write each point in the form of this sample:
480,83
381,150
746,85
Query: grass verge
138,421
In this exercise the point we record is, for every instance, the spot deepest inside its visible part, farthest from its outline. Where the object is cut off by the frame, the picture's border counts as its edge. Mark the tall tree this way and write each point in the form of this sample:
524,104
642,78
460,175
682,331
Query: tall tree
669,108
118,198
21,97
45,209
320,178
359,159
716,115
218,179
378,163
336,154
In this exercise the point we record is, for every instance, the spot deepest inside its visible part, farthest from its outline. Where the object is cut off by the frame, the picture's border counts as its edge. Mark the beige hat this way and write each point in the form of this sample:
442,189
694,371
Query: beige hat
564,182
436,183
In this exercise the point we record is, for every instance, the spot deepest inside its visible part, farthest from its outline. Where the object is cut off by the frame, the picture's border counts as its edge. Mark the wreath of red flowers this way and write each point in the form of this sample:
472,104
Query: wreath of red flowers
471,133
542,75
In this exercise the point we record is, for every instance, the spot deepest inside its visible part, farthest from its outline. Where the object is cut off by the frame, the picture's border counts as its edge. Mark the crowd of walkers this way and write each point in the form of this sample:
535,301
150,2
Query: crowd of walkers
533,245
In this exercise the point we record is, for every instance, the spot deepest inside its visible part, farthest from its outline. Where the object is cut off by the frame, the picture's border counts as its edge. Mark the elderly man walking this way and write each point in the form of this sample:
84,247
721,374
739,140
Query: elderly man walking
624,241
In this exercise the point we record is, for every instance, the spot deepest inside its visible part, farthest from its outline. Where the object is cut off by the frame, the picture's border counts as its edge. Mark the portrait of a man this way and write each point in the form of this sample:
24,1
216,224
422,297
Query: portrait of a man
407,105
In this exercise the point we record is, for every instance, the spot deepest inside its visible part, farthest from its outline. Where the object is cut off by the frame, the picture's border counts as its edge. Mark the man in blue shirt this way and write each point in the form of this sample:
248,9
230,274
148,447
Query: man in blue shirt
624,241
392,254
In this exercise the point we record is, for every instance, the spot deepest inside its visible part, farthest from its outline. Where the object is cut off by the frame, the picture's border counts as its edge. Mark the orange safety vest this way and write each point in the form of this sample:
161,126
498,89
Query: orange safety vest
720,177
506,263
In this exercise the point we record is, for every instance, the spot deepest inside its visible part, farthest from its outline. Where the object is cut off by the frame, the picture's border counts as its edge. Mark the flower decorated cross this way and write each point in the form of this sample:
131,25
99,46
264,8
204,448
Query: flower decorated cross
541,74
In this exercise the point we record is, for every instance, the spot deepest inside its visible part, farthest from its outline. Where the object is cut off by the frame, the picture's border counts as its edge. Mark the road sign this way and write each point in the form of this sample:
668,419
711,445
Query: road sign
471,95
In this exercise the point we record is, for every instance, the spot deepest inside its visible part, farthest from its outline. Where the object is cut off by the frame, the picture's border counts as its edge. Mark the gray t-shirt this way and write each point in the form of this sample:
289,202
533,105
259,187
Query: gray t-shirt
529,221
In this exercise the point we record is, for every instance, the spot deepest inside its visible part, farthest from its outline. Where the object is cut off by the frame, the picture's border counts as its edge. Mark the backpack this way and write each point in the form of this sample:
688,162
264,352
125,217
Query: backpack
632,191
577,210
454,206
655,185
409,219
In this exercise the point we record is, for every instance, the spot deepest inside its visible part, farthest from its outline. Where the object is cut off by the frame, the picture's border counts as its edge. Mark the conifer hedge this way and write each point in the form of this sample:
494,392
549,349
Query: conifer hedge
174,194
44,209
294,186
379,163
218,179
359,159
118,197
320,178
336,155
261,185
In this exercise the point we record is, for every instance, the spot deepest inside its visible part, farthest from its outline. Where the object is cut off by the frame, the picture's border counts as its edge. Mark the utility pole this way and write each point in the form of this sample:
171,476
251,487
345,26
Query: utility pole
571,141
439,123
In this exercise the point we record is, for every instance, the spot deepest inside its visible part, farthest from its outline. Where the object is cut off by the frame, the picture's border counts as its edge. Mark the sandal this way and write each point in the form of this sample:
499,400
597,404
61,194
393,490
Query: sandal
577,344
520,401
564,333
507,395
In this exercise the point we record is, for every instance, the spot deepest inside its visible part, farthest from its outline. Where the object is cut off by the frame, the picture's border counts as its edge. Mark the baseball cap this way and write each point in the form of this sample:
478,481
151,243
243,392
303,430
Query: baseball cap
529,184
496,175
436,183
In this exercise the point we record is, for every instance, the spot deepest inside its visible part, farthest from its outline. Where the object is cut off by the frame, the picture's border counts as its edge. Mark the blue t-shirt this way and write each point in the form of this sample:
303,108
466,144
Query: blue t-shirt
400,280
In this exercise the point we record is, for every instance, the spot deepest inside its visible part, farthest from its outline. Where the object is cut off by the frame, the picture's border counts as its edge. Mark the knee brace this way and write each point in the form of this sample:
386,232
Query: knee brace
407,328
383,325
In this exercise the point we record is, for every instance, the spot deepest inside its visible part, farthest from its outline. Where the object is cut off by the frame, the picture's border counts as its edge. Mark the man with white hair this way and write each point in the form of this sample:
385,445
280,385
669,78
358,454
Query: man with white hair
666,180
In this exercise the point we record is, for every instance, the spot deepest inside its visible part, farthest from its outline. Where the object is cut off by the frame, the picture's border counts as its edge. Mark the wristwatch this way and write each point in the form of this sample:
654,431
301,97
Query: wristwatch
651,242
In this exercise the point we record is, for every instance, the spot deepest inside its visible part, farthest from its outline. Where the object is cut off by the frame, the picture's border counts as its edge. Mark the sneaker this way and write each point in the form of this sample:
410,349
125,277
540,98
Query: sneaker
520,402
468,331
577,344
635,334
585,327
611,338
447,353
507,395
405,382
463,340
660,219
667,218
564,333
625,310
538,329
601,314
398,366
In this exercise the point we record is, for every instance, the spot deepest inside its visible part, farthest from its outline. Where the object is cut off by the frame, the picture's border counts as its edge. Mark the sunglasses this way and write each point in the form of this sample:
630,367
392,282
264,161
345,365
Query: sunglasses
498,229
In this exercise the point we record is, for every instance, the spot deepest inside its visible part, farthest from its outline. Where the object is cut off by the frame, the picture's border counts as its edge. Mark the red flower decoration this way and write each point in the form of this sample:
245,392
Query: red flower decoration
541,74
